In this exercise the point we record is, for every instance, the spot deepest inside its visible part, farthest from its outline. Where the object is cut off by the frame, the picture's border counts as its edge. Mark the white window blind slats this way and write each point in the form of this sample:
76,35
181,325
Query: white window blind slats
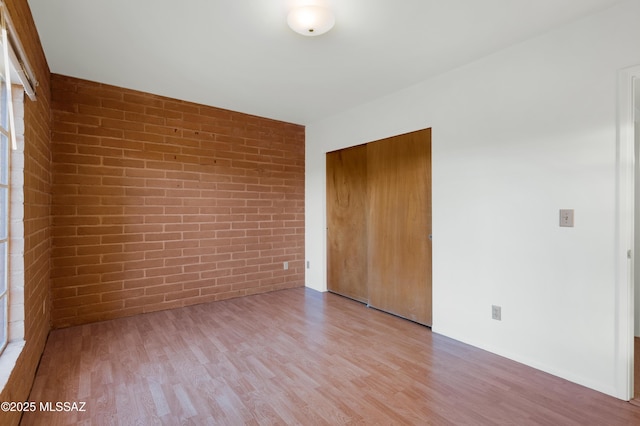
17,57
7,79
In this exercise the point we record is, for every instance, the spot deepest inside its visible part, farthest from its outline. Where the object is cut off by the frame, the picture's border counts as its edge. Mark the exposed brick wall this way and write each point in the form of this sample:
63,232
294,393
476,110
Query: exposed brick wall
37,201
160,203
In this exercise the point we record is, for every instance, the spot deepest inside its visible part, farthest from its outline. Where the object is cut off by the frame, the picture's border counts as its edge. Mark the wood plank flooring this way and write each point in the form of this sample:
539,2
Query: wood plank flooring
296,357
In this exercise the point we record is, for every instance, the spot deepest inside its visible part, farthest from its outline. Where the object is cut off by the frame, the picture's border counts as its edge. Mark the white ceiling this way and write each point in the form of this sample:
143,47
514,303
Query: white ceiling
240,54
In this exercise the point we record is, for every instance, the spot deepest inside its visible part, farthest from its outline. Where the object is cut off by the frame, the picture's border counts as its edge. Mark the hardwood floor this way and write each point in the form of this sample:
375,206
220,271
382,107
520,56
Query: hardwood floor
296,357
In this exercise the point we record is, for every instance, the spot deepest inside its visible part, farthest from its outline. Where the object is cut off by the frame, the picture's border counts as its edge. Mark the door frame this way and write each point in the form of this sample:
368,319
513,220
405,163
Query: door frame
624,251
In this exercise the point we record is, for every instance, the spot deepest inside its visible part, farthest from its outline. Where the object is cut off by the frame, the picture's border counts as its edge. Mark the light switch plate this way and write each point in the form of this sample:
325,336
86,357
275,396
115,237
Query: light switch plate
566,218
496,312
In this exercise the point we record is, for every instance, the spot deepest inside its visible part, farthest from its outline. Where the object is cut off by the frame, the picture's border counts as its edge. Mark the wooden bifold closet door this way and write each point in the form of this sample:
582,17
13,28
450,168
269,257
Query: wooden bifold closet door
379,224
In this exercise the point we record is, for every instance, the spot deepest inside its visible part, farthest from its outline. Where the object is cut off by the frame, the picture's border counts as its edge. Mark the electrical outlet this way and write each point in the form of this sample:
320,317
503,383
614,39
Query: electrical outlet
308,265
496,312
285,265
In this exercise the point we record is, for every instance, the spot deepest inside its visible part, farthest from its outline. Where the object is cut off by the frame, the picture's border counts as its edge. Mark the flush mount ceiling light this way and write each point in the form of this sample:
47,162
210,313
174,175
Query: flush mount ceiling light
311,20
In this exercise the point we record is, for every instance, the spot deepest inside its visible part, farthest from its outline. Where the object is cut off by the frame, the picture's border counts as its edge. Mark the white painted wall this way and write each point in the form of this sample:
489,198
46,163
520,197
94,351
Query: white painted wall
517,136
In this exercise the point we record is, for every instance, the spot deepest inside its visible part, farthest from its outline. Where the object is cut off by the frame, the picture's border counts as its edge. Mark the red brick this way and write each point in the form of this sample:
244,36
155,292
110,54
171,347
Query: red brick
121,276
122,257
144,300
143,283
160,203
122,295
183,294
99,269
98,288
100,230
76,301
162,254
163,289
61,262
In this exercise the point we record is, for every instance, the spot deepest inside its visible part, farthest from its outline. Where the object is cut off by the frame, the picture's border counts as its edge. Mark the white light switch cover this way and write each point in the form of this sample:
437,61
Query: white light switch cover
566,218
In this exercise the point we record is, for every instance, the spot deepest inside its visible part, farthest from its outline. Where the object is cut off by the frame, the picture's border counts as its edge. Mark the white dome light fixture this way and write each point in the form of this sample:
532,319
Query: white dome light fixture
311,20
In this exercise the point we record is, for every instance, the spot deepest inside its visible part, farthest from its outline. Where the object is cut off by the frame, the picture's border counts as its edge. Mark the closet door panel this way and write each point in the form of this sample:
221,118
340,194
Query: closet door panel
399,225
347,222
